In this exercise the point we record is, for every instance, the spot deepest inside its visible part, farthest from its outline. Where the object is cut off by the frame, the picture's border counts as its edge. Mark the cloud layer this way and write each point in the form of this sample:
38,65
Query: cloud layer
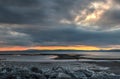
59,22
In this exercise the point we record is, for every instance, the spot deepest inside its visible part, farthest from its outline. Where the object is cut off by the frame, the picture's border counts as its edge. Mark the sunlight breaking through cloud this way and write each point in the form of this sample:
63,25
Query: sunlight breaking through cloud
90,16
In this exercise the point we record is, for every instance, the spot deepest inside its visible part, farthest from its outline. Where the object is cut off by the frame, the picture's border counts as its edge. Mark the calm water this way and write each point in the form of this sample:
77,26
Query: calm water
51,57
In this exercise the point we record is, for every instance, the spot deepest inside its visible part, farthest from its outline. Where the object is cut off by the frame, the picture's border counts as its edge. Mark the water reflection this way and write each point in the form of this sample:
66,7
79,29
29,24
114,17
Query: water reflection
26,58
61,55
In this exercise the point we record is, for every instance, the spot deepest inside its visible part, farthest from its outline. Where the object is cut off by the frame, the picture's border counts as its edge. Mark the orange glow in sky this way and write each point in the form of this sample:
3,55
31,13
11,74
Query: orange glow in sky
76,47
15,48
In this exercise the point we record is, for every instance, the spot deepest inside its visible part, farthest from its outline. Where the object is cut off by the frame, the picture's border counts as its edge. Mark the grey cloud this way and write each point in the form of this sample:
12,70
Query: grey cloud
37,23
66,35
9,37
20,12
18,2
72,36
43,12
110,19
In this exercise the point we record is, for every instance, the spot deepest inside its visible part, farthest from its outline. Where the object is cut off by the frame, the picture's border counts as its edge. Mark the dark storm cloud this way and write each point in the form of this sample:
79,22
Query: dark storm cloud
18,2
9,37
66,35
45,12
110,19
37,22
29,11
38,11
17,15
112,16
72,36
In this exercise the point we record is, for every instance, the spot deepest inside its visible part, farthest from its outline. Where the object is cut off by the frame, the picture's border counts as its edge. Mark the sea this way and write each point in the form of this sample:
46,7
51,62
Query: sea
60,56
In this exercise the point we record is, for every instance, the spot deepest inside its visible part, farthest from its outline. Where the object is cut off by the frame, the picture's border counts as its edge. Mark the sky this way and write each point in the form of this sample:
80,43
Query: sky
59,24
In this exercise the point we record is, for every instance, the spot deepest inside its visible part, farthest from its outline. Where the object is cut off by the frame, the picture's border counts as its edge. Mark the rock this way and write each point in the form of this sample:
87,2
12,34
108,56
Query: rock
101,75
55,73
63,76
88,73
80,75
6,69
36,76
36,70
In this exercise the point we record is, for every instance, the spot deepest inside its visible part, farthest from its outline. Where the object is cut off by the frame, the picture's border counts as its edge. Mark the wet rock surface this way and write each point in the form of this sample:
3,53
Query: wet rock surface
53,73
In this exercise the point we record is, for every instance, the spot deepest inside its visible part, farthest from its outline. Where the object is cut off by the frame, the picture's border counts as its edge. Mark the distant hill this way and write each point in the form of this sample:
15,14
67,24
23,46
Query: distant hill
113,50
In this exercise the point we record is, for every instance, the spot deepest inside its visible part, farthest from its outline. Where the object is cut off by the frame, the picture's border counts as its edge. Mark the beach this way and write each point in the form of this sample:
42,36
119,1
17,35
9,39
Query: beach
79,65
98,68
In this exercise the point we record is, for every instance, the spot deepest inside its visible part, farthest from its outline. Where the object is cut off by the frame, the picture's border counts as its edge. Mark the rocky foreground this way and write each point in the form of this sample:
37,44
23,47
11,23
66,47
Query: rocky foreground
54,73
57,71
